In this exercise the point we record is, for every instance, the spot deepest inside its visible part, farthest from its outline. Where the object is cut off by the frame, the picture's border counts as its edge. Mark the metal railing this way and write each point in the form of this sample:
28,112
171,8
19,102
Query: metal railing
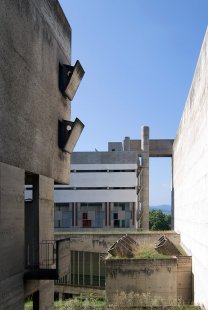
42,255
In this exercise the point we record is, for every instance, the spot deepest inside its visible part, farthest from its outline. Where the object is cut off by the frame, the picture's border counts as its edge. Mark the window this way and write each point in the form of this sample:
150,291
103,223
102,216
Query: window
87,269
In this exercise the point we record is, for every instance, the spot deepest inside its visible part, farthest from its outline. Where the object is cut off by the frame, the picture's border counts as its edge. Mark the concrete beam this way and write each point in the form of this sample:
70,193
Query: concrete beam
157,147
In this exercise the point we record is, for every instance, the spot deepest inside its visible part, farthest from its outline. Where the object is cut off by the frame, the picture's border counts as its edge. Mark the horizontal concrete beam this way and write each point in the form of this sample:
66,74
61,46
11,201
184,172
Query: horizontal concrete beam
157,147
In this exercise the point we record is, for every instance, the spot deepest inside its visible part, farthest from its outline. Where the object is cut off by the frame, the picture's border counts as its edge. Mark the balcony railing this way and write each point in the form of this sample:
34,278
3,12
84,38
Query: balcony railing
47,260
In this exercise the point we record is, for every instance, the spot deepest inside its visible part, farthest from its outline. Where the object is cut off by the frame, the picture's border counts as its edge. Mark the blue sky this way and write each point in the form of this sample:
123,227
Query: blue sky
139,57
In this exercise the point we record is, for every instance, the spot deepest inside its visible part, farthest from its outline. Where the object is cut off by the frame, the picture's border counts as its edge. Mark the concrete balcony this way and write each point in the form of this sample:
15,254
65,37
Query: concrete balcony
49,260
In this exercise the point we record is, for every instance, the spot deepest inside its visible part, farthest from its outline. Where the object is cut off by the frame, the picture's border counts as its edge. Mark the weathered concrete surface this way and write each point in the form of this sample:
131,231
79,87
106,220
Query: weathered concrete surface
46,295
39,219
100,243
64,258
169,279
34,38
94,158
145,179
115,146
157,147
184,278
11,237
190,176
157,277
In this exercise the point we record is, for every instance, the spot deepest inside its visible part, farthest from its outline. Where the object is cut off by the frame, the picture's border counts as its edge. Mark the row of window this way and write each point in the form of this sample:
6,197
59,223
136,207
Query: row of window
103,170
87,269
94,215
92,188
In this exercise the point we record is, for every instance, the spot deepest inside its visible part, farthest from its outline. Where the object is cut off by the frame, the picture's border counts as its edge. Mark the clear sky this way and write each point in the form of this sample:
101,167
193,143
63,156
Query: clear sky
139,57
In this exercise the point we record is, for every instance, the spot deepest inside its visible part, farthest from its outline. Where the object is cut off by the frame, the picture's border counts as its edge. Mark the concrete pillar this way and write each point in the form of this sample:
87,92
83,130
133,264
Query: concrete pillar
39,227
145,178
127,144
46,232
109,214
46,295
138,202
103,212
79,216
74,206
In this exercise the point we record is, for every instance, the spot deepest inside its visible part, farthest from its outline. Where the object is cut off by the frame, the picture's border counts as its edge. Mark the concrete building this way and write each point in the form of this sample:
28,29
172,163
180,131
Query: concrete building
102,191
190,177
109,189
167,279
88,268
35,48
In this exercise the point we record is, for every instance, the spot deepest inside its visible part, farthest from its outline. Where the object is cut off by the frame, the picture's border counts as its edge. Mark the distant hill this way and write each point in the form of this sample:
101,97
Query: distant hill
164,208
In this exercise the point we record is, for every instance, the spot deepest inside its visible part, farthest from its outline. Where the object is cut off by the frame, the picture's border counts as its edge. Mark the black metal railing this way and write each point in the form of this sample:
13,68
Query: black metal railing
42,255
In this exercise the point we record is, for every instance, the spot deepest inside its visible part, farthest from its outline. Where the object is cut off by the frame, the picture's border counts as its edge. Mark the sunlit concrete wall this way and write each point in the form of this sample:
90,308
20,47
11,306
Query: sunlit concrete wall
100,243
168,279
190,176
34,38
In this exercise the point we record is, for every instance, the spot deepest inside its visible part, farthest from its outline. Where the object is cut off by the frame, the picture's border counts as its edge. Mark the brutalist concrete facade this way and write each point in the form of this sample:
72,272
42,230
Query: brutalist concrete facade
84,247
109,189
102,193
34,40
190,177
168,279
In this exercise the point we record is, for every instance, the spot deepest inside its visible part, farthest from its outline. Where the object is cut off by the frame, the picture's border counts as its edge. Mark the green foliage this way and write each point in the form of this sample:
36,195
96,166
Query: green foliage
28,305
159,220
122,301
143,301
81,303
148,251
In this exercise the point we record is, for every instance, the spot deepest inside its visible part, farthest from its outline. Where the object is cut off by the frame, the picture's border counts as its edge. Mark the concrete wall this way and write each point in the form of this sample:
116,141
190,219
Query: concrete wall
157,277
11,237
34,39
190,176
104,158
100,243
104,179
168,279
96,196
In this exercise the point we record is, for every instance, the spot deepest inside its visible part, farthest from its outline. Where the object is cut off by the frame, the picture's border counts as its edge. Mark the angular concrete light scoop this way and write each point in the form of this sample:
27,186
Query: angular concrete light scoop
69,133
70,78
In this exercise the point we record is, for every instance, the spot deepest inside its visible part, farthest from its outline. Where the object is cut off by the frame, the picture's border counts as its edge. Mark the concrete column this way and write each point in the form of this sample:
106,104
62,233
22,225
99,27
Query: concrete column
103,210
138,202
127,144
46,295
74,213
79,218
132,210
109,214
39,227
145,178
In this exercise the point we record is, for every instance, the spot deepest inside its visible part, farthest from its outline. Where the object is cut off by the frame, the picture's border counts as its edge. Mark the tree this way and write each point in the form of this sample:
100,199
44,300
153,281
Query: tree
159,220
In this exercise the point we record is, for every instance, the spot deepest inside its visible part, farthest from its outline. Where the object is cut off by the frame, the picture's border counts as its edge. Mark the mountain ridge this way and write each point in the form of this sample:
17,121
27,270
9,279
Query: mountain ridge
165,208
